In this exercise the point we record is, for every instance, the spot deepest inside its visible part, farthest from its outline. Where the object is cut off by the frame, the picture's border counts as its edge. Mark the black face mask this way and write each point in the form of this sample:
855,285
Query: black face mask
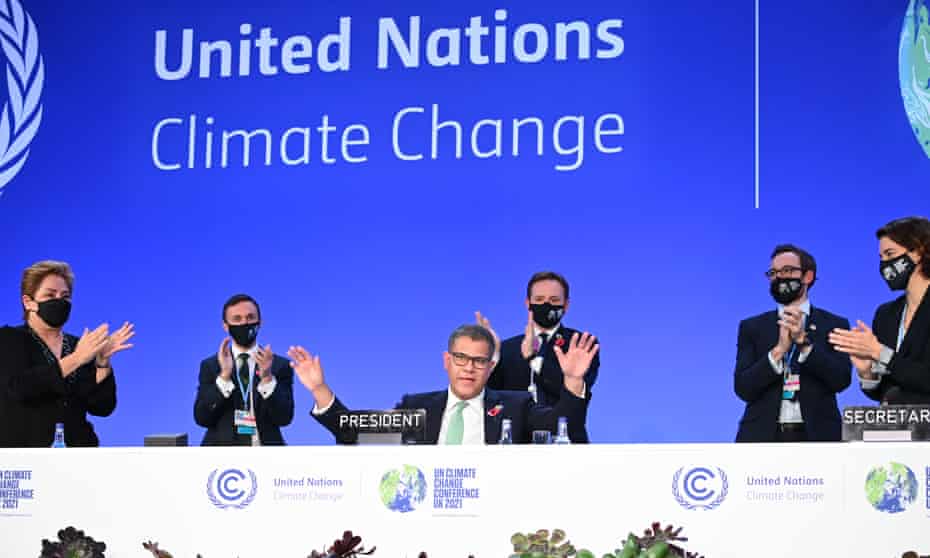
54,312
245,334
547,315
785,290
897,271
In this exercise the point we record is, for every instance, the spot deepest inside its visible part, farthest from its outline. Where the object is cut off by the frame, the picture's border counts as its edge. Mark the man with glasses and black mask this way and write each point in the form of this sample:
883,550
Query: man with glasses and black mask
246,392
528,361
786,371
467,412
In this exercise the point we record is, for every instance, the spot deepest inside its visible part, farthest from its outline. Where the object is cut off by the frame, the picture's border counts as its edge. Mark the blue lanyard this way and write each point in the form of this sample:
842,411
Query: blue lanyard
901,330
794,348
246,395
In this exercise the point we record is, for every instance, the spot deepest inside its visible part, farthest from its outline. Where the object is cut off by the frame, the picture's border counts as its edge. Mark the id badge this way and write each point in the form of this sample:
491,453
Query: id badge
791,387
245,422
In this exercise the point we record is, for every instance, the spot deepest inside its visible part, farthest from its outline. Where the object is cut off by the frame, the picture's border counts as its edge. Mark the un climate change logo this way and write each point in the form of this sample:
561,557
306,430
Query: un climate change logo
891,488
700,488
25,74
402,490
231,488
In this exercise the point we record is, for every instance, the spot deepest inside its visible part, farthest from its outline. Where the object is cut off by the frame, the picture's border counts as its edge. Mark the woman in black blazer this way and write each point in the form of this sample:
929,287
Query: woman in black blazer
893,358
48,376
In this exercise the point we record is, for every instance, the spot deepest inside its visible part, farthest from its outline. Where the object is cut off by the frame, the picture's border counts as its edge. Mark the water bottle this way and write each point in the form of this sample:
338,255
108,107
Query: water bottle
59,436
506,431
562,436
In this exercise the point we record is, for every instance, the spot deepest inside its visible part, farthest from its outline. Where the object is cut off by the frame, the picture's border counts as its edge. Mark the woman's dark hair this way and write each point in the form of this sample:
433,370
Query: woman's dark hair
914,234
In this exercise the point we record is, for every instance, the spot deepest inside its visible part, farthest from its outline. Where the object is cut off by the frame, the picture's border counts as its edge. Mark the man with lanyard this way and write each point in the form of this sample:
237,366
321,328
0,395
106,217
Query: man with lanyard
786,371
527,361
245,394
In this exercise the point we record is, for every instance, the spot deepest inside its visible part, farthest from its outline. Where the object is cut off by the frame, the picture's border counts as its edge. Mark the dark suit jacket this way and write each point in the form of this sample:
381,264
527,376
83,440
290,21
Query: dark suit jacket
215,412
824,373
909,377
513,371
525,415
34,396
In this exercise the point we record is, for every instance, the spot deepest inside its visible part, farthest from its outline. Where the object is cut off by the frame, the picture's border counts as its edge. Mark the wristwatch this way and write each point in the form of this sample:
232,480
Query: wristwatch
885,356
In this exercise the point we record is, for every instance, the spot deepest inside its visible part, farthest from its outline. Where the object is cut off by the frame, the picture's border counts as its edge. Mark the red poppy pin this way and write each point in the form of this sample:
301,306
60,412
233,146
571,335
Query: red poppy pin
495,410
559,341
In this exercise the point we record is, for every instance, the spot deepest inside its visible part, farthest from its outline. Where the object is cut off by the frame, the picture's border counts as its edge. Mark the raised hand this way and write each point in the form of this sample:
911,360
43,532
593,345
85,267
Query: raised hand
577,359
225,359
115,343
307,367
527,347
859,342
486,324
264,359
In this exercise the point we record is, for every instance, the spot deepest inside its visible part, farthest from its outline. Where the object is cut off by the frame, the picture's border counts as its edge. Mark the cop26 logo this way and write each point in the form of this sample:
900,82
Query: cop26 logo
231,488
25,74
700,488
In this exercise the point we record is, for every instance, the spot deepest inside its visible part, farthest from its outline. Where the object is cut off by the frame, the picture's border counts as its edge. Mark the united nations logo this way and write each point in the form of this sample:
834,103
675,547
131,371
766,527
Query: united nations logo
402,490
232,488
25,74
700,488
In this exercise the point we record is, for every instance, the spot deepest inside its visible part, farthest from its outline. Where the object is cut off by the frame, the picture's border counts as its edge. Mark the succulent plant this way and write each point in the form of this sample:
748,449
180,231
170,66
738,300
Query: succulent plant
346,547
72,543
542,544
656,542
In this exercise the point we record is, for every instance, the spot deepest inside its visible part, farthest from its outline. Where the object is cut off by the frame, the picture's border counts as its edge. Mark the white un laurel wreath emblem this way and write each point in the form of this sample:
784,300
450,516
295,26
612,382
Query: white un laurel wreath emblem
25,74
225,489
700,488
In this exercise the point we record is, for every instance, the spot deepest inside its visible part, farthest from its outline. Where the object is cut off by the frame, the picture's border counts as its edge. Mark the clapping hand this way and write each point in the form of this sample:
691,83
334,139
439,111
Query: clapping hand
792,320
861,345
225,359
858,341
527,348
91,343
115,343
264,359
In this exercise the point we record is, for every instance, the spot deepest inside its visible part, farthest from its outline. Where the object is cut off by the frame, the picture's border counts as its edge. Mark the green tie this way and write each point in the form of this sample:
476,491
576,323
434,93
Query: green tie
456,429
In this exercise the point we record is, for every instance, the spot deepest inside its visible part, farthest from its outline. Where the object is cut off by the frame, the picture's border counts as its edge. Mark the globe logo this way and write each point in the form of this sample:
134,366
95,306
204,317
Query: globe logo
891,488
914,70
402,490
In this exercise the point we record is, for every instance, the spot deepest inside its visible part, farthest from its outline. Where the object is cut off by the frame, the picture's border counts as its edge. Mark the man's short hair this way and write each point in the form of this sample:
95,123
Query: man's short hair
913,233
546,276
475,333
236,299
807,260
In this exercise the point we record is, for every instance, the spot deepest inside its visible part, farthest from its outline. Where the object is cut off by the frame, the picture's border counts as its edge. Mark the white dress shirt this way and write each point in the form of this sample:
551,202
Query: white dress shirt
790,411
537,361
472,415
265,389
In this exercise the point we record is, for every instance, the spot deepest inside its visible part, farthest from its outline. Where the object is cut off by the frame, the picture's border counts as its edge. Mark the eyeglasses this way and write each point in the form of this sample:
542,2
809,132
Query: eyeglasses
786,271
461,359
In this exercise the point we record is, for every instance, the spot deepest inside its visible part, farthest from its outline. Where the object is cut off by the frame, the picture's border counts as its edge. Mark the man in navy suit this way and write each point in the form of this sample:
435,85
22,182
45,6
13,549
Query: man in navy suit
786,371
529,361
240,367
467,412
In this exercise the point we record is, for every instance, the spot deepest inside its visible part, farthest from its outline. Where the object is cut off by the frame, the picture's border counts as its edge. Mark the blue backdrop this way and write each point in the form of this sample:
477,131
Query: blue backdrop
372,263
